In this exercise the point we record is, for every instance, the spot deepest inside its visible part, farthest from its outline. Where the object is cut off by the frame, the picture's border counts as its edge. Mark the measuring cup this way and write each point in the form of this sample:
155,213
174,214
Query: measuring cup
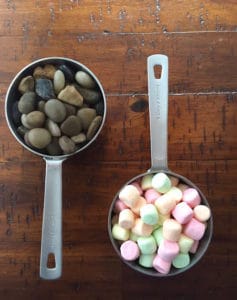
51,241
158,113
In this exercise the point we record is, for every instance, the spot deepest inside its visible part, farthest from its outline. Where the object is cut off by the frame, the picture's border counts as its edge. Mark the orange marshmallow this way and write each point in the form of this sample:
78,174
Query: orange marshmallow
140,202
171,230
141,229
126,218
129,195
165,204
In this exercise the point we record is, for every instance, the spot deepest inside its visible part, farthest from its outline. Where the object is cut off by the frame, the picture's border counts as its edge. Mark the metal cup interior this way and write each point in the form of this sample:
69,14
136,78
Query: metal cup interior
194,258
13,95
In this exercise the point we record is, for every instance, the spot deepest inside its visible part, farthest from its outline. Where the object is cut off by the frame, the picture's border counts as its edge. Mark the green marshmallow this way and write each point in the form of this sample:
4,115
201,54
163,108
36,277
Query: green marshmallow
147,245
133,236
185,243
158,235
146,182
120,233
181,260
149,214
161,182
146,260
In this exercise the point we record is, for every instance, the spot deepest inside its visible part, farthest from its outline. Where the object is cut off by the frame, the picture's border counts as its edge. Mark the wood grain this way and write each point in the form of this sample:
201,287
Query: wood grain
114,38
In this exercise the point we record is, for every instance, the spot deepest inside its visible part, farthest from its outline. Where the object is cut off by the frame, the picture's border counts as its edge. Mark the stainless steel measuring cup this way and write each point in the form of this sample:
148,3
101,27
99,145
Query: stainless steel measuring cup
51,241
158,114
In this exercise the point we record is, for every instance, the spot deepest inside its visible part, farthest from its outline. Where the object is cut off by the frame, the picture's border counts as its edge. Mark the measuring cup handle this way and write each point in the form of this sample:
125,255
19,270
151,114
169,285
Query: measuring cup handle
158,110
51,242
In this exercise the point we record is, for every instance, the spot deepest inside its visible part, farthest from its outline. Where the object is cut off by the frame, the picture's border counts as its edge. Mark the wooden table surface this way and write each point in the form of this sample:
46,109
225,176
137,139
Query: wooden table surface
114,39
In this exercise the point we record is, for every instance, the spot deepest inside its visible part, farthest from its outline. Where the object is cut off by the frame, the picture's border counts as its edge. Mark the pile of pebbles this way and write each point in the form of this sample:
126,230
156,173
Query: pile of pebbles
59,109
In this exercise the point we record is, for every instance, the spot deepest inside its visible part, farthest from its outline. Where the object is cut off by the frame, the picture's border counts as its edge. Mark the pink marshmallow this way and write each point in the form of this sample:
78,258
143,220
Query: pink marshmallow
182,212
119,206
129,250
168,250
161,265
191,197
194,229
194,247
151,195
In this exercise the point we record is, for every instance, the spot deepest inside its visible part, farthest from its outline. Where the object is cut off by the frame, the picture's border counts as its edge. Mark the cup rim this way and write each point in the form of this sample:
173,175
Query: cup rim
151,271
40,62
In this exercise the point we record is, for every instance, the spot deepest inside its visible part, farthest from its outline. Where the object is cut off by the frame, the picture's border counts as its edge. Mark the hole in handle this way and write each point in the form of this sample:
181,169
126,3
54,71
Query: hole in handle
157,71
51,262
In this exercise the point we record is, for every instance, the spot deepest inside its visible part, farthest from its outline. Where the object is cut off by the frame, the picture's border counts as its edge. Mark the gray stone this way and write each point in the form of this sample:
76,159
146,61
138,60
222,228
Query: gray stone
53,128
16,114
24,122
22,130
69,75
41,105
71,110
71,126
66,144
35,119
100,108
44,88
86,116
39,137
94,126
58,81
53,148
26,84
70,95
80,138
85,80
27,102
91,97
55,110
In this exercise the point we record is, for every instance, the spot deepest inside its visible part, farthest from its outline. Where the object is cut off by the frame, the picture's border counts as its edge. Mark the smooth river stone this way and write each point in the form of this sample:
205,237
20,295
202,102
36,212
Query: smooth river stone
44,88
85,80
70,95
70,109
24,122
39,137
86,116
22,130
58,81
94,126
16,114
41,105
99,107
27,102
55,110
53,148
66,144
27,84
35,119
46,71
90,96
71,126
53,128
80,138
69,75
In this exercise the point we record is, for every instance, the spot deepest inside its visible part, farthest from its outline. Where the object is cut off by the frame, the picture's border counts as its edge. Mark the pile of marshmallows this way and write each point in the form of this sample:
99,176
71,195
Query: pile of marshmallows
159,222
